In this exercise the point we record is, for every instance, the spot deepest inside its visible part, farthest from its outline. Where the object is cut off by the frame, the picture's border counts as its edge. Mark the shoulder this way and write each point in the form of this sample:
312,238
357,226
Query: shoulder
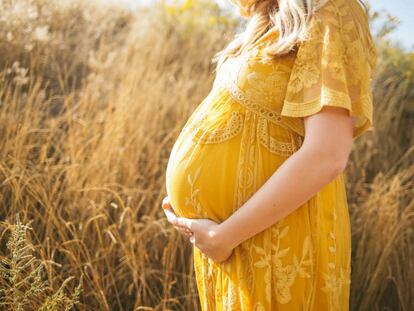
341,27
335,10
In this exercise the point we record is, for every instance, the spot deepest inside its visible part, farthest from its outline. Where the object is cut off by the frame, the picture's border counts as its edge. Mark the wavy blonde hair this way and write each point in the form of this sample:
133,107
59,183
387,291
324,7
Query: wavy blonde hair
290,17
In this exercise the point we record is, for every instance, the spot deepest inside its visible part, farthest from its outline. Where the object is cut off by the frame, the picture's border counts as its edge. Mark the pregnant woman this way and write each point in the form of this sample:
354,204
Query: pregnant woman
256,176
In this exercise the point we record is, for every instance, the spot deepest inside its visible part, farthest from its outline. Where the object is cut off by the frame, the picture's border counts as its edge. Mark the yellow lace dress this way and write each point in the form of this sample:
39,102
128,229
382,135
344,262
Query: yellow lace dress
237,137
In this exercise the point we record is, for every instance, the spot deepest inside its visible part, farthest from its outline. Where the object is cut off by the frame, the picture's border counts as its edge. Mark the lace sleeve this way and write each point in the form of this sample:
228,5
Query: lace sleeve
334,66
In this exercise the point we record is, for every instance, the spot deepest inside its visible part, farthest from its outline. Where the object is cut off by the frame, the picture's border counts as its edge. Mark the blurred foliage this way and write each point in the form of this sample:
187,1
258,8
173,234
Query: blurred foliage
55,39
198,13
398,60
391,53
23,285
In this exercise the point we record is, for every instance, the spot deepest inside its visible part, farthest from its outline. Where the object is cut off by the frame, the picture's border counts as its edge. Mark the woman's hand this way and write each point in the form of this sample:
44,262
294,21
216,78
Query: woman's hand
206,237
203,233
169,212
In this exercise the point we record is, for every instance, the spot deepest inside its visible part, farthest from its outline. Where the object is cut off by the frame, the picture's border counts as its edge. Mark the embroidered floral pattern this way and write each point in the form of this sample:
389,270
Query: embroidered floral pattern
192,199
259,307
267,88
247,165
284,149
337,57
283,276
306,73
257,86
336,277
206,276
260,109
230,299
232,128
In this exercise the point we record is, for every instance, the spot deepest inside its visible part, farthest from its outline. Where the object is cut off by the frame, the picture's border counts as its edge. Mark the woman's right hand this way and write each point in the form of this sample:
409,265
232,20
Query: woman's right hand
169,212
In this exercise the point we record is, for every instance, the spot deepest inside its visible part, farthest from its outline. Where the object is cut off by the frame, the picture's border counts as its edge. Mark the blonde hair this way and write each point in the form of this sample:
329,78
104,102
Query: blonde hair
290,17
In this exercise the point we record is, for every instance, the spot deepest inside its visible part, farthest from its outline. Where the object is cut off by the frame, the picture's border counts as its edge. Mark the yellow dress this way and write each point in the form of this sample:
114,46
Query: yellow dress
237,137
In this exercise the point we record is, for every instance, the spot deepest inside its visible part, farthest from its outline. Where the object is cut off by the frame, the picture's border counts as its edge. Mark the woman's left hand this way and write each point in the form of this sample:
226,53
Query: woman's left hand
203,233
206,237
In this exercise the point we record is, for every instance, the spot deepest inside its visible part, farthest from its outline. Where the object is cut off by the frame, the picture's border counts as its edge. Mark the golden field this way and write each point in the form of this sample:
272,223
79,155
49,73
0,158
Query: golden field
92,97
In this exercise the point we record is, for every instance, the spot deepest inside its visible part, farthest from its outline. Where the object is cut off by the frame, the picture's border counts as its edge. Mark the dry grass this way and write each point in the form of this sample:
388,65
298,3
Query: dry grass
91,101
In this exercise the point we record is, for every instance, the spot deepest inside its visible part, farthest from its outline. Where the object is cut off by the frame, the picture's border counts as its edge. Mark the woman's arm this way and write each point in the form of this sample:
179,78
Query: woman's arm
323,155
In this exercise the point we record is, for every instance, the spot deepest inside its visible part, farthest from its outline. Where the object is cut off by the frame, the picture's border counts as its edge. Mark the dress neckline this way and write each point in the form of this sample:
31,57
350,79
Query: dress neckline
256,45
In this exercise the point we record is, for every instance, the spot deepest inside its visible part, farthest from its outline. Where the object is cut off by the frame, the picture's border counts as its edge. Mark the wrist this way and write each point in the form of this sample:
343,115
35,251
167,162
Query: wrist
224,237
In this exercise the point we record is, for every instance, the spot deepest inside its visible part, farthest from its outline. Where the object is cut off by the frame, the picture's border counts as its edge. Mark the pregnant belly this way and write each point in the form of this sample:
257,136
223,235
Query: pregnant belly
200,178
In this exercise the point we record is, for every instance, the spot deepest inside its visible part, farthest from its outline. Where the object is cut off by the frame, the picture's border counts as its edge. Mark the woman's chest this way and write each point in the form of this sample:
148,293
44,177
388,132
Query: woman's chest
255,83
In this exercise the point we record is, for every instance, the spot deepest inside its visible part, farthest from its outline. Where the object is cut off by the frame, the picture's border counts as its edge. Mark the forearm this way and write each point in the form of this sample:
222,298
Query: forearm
299,178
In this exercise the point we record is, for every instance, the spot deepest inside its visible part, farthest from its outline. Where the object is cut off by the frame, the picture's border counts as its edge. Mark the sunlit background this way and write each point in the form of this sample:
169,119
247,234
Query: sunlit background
402,10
